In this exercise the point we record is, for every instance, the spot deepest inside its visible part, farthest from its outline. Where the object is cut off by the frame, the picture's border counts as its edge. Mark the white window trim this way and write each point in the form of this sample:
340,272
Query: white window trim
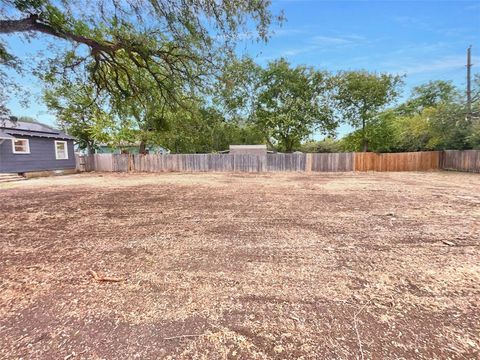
21,152
66,150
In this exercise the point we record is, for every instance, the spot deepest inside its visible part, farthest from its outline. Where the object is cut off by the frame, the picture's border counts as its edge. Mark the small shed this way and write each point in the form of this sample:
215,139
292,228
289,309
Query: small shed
260,150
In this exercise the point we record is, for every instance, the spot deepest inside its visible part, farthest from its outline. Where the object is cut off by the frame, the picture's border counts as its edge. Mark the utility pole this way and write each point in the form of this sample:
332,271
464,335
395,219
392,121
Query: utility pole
469,80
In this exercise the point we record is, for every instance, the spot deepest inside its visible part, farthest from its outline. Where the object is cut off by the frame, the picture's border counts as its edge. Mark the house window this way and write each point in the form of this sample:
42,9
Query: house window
21,146
61,150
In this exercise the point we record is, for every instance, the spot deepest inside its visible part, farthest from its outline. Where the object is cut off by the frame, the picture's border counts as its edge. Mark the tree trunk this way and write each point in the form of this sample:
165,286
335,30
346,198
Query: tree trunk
142,148
288,146
270,144
365,145
90,149
364,137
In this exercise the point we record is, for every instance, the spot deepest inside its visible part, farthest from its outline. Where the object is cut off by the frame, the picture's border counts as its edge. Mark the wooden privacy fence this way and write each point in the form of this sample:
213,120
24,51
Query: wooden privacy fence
468,160
196,162
408,161
332,162
464,160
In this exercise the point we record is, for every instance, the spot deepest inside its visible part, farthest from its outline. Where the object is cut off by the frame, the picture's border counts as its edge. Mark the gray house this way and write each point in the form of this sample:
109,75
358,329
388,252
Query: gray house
29,147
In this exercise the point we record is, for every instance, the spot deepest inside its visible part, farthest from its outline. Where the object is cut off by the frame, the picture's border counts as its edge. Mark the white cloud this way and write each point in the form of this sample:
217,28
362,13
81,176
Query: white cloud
475,6
409,21
421,48
328,40
445,63
298,50
412,22
325,43
337,40
287,32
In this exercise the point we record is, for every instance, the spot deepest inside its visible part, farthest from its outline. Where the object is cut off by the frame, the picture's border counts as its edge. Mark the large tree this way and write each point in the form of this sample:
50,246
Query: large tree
237,89
434,117
205,130
361,95
292,103
286,103
98,118
80,113
169,41
431,94
190,129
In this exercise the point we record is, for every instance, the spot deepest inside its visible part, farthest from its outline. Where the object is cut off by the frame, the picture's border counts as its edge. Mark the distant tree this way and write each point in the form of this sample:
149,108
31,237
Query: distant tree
79,113
434,128
381,132
474,136
427,95
205,130
143,116
360,96
474,118
293,102
285,103
327,145
435,118
449,127
238,89
413,132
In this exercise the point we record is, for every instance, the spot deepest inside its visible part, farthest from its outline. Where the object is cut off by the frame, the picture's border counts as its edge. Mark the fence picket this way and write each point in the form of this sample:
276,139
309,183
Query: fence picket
467,160
462,160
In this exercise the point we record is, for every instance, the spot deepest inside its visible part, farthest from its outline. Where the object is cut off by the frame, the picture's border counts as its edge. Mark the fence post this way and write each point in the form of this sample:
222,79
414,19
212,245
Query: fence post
131,163
113,161
263,163
308,162
80,162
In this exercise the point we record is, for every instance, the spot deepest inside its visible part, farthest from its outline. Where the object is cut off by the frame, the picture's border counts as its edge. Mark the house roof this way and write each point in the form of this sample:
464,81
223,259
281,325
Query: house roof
23,128
4,135
248,147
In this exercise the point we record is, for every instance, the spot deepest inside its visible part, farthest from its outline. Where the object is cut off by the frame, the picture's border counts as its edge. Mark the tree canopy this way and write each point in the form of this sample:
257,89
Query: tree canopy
431,94
361,95
80,113
292,103
112,44
433,118
285,103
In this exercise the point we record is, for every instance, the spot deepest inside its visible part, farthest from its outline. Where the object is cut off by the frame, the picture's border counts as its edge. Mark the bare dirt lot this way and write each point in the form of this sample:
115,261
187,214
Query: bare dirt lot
241,266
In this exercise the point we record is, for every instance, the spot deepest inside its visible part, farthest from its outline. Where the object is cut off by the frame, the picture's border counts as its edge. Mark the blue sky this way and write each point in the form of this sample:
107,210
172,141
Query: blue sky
424,40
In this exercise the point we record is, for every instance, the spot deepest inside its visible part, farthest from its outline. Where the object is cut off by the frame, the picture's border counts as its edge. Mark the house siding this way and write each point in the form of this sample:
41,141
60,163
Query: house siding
41,157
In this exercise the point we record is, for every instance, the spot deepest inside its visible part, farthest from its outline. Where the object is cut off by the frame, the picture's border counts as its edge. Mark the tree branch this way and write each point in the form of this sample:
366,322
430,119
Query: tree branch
35,24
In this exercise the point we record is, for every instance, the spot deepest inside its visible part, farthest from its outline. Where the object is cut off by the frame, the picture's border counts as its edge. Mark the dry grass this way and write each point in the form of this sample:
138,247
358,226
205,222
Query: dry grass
241,266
